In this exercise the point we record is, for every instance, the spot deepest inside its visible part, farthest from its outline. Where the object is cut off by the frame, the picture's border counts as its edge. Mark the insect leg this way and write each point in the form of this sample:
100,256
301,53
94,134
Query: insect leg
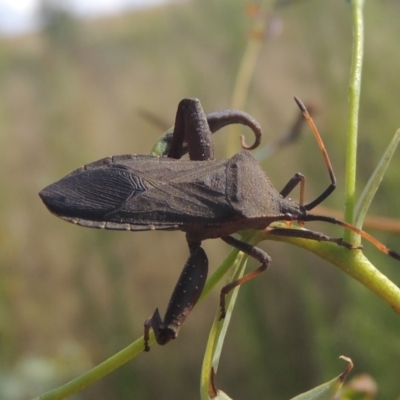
184,297
297,178
252,251
312,235
320,237
191,126
331,220
219,119
193,130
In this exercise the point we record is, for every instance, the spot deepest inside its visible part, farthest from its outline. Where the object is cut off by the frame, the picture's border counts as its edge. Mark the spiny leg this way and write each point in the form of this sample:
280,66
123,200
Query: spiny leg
219,119
193,129
252,251
191,126
184,297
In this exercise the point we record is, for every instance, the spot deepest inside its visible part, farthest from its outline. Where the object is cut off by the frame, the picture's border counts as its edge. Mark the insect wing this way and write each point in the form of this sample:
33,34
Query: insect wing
178,193
140,193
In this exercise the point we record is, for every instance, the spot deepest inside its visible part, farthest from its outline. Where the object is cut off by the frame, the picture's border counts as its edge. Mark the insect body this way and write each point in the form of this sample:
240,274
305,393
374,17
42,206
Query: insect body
203,197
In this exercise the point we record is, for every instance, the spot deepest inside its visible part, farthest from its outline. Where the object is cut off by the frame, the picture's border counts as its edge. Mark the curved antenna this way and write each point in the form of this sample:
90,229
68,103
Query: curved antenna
328,163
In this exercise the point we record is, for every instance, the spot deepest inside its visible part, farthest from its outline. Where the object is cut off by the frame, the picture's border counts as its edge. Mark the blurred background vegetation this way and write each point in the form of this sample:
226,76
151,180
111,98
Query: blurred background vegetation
71,297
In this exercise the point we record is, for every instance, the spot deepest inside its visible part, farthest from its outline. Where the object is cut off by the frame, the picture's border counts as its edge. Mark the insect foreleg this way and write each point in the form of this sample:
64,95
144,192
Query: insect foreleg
298,178
311,235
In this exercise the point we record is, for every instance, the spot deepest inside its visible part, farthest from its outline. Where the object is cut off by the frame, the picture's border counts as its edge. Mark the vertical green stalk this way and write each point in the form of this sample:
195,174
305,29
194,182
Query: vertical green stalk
354,103
374,181
249,62
248,65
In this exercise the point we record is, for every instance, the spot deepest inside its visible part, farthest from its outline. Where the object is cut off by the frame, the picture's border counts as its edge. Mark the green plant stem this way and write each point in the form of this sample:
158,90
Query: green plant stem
218,330
134,349
247,67
96,373
352,262
354,103
374,181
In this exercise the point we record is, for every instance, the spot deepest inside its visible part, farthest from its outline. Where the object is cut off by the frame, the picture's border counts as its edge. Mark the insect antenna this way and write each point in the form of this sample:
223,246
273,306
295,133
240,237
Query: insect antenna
310,217
328,163
380,246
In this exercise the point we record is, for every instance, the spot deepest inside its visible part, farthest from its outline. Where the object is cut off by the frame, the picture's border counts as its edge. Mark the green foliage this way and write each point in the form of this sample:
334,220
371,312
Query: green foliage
327,390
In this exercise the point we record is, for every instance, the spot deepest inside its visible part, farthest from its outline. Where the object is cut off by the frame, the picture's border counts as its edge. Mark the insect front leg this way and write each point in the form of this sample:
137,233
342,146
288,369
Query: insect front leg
298,178
252,251
184,297
311,235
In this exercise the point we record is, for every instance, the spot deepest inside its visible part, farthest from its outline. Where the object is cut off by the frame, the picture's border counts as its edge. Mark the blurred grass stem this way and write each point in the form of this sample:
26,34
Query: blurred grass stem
354,104
219,328
373,183
248,65
95,374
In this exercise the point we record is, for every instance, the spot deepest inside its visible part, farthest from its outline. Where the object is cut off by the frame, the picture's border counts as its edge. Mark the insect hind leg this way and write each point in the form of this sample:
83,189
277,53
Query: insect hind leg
184,297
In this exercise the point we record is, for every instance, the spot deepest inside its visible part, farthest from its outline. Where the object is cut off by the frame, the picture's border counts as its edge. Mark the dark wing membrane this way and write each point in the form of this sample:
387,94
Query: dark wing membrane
178,202
183,192
92,194
141,192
